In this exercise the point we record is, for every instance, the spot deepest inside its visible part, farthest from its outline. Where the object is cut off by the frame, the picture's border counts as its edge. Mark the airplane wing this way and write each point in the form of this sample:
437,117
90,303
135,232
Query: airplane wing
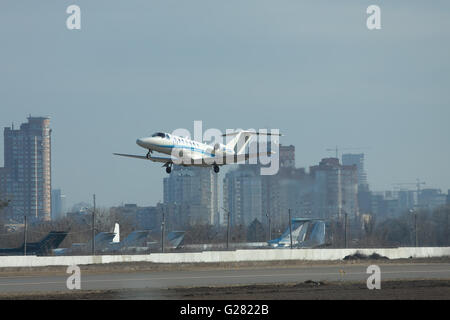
152,158
228,159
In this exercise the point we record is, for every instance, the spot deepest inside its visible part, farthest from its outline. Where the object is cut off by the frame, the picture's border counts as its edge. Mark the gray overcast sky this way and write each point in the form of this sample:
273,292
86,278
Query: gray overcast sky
310,68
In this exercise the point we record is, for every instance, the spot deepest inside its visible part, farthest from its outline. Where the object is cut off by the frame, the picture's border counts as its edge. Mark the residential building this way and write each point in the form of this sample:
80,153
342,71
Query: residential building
287,156
350,159
27,182
140,218
58,204
196,187
242,195
407,200
364,193
431,199
335,189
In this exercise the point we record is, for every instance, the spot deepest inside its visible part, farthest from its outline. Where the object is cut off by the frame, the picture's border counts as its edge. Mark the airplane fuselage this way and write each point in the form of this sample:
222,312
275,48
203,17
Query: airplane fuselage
187,152
181,147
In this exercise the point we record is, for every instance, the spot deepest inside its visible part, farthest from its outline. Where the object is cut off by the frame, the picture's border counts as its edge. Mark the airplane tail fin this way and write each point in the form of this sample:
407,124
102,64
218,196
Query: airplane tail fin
242,138
116,238
46,245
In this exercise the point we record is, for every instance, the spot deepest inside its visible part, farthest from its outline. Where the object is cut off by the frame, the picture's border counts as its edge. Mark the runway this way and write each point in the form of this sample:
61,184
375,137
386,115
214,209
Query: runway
218,277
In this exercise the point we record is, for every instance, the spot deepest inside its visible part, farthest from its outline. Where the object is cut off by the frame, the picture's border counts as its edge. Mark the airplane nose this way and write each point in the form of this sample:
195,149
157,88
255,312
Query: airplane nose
140,142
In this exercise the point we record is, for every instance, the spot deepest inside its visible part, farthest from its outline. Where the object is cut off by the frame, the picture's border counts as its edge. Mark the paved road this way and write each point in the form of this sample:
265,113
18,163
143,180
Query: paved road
170,279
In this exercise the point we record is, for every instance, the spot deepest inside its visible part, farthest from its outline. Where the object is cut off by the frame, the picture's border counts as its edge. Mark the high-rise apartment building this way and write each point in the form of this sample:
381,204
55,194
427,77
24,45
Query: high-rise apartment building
431,199
290,189
27,169
287,156
248,195
364,194
58,204
196,187
335,189
350,159
242,195
407,200
328,191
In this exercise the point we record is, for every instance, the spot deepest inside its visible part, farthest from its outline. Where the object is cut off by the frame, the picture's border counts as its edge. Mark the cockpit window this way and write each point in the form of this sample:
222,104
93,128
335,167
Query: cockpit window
159,134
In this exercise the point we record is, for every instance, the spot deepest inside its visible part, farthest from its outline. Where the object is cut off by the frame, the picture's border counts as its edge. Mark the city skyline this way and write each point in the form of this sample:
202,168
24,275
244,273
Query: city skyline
330,190
312,70
408,185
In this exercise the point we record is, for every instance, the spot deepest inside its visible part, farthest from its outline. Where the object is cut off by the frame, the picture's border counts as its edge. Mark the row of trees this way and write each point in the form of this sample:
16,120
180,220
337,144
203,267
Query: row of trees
3,204
431,227
209,234
79,229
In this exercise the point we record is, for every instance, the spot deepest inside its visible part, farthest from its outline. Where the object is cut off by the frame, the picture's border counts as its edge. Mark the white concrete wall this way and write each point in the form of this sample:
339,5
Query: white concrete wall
223,256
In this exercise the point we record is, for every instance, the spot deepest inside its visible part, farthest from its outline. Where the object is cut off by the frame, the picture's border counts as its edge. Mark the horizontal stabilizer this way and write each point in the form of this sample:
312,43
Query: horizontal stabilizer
240,139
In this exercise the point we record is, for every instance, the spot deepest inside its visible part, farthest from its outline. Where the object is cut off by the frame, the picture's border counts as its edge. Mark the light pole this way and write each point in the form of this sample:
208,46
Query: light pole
25,237
446,228
345,229
163,222
93,229
290,227
270,227
415,227
228,226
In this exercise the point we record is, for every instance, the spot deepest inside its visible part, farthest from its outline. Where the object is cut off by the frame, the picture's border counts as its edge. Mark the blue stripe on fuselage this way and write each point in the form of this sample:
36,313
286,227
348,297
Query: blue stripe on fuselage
186,147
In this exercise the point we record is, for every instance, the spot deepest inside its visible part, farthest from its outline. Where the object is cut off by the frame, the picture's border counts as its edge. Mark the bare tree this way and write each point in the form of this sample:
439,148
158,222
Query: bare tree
202,233
3,204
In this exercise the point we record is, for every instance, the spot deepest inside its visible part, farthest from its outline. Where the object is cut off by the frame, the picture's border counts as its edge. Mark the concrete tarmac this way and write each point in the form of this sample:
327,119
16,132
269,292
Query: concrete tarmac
158,280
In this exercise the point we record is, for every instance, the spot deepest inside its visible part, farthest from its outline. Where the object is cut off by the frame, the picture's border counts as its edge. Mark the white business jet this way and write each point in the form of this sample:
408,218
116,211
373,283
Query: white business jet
187,152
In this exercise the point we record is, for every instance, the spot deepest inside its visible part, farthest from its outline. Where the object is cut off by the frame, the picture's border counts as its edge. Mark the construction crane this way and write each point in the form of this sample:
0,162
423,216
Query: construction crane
336,149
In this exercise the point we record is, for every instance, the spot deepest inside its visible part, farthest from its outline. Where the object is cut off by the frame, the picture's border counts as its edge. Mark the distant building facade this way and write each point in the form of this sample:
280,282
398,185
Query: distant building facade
431,199
3,179
290,189
248,195
328,191
195,188
335,189
242,195
287,156
58,204
26,176
407,200
364,193
350,159
141,218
